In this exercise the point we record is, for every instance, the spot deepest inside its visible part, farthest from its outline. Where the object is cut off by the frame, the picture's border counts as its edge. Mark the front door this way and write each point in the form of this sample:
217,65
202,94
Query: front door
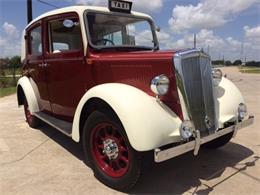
65,60
36,66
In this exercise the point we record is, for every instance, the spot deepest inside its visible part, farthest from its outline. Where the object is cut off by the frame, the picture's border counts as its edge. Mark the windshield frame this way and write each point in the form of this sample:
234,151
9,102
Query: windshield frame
149,20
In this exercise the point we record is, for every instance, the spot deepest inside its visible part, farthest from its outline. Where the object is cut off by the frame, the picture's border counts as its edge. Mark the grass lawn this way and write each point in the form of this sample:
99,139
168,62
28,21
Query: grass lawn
7,91
246,69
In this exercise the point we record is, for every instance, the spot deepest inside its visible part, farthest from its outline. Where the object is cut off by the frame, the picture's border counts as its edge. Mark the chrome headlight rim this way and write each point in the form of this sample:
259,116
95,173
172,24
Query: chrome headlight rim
187,129
217,76
242,111
160,85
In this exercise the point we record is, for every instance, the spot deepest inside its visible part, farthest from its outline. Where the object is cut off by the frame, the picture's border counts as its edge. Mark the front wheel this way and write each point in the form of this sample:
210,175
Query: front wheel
108,151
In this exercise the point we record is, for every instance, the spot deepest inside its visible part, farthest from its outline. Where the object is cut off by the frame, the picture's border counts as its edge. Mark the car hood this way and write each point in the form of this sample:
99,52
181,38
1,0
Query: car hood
136,69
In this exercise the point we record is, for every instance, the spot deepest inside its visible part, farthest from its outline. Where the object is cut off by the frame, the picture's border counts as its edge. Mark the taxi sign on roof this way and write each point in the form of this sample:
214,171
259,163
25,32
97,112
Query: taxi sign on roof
120,6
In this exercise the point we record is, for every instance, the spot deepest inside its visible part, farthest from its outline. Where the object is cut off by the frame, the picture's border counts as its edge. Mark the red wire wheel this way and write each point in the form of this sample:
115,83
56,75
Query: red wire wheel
110,150
27,112
30,119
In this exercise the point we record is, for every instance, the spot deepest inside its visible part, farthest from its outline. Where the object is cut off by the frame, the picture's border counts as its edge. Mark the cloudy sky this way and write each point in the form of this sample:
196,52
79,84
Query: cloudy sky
225,28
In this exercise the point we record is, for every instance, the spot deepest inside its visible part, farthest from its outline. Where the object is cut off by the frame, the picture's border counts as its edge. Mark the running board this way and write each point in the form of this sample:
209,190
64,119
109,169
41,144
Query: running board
61,125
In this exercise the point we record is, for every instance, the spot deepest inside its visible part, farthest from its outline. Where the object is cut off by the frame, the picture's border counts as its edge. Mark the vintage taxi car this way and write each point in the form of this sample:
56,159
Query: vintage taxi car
97,75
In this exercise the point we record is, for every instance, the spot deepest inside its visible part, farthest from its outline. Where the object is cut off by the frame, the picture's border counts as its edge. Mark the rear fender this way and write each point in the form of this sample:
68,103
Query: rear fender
24,86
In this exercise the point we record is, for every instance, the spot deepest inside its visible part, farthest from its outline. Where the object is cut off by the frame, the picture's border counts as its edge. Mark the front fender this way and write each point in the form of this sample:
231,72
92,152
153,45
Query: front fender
25,84
148,122
227,98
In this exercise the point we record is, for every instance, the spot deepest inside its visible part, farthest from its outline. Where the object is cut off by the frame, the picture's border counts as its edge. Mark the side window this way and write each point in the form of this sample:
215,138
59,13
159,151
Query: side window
64,35
35,41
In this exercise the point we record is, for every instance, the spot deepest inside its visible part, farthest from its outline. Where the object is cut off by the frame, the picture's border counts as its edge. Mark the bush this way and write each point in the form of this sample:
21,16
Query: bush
237,62
3,81
218,62
253,63
228,63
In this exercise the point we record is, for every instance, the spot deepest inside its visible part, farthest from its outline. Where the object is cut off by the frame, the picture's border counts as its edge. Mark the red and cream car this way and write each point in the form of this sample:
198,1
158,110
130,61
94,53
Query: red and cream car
97,75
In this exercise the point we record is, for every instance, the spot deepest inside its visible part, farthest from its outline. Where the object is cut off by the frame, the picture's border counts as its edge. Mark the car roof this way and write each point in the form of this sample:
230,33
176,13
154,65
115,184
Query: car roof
79,9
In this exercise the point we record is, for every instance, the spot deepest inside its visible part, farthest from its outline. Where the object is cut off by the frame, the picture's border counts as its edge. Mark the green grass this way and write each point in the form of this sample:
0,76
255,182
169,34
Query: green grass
246,69
7,91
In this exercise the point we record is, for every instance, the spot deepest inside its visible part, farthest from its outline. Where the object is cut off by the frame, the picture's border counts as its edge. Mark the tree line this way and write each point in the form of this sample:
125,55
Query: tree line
236,63
12,62
10,69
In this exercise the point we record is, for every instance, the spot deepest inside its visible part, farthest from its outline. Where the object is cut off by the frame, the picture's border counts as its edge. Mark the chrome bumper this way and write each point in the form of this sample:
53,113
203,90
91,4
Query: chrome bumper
162,155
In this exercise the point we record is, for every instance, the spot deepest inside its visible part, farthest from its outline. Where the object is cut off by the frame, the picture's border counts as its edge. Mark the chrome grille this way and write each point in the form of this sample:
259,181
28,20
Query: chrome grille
194,80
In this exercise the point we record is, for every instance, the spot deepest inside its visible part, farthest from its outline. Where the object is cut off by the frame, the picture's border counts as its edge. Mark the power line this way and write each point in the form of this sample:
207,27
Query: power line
46,3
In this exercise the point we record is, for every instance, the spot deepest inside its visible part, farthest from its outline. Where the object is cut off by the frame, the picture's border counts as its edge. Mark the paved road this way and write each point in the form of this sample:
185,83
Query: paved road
46,162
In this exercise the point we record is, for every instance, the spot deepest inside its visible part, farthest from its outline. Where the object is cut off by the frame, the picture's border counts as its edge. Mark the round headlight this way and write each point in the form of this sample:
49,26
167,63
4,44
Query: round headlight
187,129
160,85
242,111
217,76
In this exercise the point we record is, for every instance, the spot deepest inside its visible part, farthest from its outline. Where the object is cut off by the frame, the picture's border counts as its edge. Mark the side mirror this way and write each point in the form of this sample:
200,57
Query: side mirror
68,23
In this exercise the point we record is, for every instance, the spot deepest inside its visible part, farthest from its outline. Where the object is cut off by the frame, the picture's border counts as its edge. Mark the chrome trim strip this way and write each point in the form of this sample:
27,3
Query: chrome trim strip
162,155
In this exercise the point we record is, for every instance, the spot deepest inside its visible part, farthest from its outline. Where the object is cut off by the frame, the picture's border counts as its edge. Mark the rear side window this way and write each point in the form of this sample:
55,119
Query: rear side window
35,41
64,35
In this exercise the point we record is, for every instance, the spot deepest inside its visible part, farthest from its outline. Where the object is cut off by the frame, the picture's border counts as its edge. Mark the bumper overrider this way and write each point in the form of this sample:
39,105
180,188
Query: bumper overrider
162,155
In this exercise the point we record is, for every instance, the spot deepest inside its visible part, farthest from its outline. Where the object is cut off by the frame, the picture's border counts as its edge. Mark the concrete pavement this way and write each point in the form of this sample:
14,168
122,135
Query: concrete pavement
44,161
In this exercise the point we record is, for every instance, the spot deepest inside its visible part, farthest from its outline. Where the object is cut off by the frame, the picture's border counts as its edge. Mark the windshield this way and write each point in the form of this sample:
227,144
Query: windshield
107,30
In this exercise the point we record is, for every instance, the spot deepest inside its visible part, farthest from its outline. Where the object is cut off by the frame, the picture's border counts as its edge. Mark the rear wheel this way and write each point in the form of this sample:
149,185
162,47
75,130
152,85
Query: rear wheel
107,150
219,142
33,121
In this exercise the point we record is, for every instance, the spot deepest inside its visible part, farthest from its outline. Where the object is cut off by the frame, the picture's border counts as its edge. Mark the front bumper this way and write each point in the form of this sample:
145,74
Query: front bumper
162,155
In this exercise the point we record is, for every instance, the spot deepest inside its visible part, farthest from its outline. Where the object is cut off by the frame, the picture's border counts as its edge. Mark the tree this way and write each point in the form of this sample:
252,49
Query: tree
3,80
237,62
228,63
4,62
14,63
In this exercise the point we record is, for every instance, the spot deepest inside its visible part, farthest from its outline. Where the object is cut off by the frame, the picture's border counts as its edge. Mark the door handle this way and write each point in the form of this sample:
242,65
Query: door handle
40,65
43,65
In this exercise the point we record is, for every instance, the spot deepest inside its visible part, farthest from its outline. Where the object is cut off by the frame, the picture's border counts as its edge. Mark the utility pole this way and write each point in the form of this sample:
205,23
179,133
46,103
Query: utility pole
29,11
195,40
242,51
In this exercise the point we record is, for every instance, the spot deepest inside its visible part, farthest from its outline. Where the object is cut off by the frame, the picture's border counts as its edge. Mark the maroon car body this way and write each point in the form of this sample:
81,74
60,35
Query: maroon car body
97,67
98,76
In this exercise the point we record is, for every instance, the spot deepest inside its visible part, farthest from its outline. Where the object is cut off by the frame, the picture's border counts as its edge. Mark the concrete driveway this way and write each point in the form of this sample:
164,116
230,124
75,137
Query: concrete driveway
45,161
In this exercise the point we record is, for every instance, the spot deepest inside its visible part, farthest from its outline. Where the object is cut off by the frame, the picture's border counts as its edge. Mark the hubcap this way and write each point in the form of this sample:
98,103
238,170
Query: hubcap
109,150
